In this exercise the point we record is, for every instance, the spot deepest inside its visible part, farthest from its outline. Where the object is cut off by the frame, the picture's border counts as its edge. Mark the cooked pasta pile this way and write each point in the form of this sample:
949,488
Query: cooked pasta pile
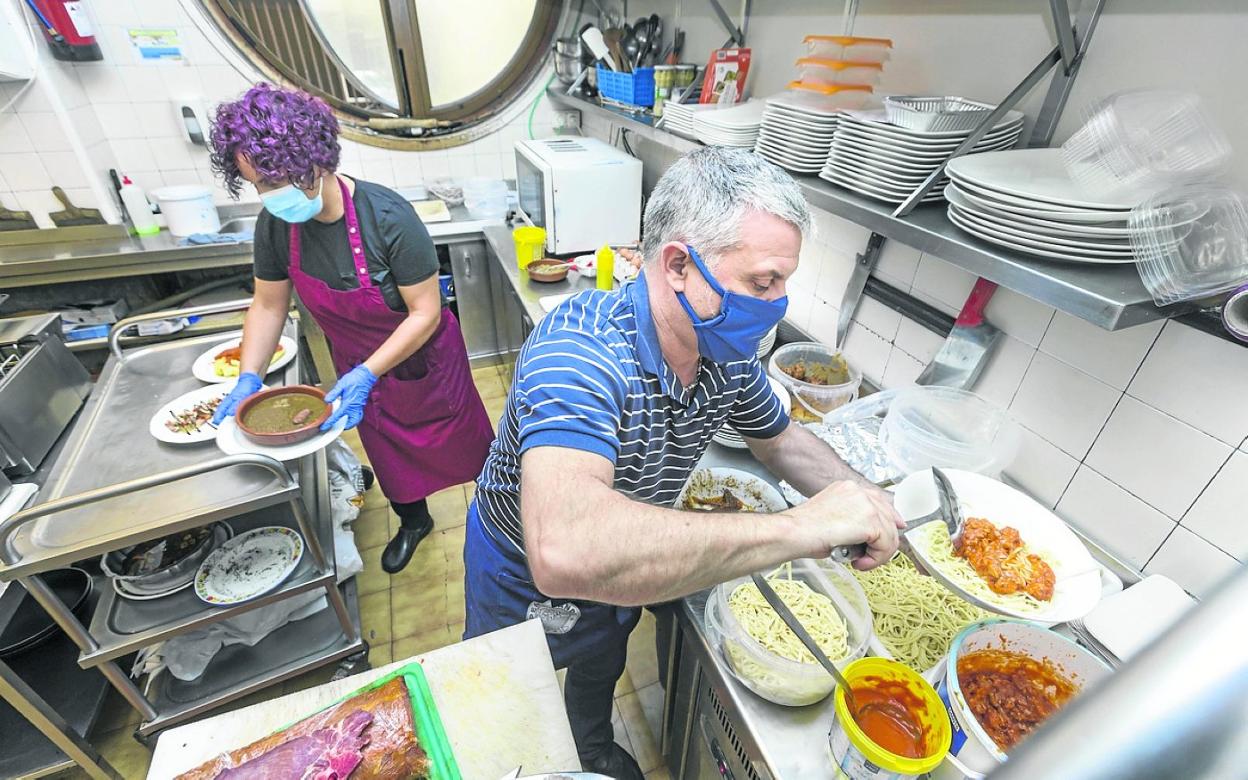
933,540
816,612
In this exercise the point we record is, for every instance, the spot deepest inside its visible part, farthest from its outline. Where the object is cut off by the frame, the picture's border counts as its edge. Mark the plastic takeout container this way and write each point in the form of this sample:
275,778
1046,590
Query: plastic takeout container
485,198
820,70
1137,143
811,401
948,428
1190,242
935,114
848,47
771,676
821,99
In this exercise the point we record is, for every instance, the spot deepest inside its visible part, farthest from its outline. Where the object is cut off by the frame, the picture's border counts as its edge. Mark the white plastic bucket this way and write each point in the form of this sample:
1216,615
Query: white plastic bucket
188,209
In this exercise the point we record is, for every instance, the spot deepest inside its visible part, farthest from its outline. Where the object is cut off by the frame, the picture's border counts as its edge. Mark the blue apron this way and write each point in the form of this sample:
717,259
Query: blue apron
499,592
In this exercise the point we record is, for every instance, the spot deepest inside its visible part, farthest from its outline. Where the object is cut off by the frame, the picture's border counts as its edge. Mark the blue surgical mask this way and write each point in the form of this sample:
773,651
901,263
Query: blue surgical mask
290,204
743,320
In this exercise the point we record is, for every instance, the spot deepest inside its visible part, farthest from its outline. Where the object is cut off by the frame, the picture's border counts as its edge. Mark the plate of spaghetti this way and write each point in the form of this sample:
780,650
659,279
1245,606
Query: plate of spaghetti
1015,556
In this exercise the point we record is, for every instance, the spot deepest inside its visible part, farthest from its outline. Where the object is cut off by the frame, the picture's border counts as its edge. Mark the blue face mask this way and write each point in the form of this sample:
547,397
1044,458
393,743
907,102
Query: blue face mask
291,205
734,333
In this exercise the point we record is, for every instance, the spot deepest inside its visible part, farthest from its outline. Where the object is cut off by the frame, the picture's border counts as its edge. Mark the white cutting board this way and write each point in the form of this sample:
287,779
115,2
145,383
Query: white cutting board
497,695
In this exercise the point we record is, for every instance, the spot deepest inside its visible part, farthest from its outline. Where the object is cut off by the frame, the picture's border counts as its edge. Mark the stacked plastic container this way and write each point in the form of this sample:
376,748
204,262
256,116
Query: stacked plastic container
842,60
1163,150
485,198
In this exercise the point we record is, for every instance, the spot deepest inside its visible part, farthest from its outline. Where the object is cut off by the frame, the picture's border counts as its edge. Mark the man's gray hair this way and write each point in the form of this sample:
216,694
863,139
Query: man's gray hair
703,197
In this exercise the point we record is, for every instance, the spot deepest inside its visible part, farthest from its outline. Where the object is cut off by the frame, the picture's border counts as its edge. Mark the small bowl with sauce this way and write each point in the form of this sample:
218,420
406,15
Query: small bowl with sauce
283,415
548,270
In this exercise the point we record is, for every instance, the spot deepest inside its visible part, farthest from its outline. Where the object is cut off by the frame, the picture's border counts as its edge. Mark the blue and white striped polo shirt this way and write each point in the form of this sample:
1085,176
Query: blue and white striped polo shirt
591,377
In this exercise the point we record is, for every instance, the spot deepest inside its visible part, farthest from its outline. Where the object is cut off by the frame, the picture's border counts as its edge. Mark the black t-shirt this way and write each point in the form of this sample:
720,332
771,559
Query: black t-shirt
396,244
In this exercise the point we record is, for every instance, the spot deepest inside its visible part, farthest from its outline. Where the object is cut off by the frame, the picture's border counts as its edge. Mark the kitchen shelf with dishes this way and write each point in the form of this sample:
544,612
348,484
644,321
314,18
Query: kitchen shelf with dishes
1111,296
116,486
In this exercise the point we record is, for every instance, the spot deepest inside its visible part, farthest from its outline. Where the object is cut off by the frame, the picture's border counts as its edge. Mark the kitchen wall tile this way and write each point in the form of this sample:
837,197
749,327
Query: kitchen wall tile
1018,316
509,165
1158,458
46,132
407,169
489,165
143,83
462,166
13,135
65,169
800,305
24,172
378,171
878,318
174,153
835,267
34,99
435,166
1115,518
134,155
1069,406
1041,467
1198,379
222,82
1192,562
87,126
182,82
902,369
866,351
83,197
921,343
114,12
102,82
1111,356
823,321
158,120
370,152
4,185
898,264
117,121
39,203
839,233
1004,371
809,266
176,177
939,281
1219,514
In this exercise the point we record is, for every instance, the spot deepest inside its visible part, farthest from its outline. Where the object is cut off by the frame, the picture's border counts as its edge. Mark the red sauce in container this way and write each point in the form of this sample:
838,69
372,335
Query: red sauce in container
888,715
1011,694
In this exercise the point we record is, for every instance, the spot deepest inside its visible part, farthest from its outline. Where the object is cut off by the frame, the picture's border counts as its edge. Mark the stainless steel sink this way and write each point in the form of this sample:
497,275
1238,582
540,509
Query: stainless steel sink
239,225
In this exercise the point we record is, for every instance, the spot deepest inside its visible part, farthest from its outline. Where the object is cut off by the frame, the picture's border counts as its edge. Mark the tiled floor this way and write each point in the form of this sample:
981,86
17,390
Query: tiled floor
422,608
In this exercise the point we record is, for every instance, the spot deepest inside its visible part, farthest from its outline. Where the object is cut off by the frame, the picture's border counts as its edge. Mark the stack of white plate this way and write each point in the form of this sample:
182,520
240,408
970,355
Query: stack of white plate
678,117
764,346
733,126
887,162
795,134
728,436
1026,201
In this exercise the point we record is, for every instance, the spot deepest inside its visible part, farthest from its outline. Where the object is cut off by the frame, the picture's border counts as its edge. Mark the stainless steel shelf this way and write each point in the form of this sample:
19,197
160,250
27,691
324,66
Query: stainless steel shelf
121,626
295,648
1109,296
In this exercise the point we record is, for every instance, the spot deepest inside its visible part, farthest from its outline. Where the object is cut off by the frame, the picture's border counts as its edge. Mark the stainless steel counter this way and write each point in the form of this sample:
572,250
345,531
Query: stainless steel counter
498,237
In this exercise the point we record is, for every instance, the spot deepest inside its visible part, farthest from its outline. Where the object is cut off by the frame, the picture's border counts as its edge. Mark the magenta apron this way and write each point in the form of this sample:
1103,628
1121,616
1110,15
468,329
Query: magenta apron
424,427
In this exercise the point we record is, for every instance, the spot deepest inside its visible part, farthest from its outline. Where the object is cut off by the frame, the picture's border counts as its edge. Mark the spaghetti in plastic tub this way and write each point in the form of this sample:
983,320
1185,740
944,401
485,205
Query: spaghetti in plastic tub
762,666
857,756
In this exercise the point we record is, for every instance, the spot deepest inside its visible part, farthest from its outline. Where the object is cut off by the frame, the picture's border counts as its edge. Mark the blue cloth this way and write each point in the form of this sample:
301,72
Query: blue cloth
196,239
592,377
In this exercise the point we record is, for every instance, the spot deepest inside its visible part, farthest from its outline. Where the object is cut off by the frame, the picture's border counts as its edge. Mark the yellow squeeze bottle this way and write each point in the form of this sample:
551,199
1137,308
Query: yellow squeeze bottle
604,262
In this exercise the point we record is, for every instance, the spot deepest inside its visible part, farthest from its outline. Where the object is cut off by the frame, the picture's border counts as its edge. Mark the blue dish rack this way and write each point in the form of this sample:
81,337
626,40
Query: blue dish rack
636,88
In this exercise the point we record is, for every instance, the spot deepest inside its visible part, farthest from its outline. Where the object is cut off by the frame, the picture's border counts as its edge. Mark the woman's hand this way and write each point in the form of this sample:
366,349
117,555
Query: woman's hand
248,384
353,389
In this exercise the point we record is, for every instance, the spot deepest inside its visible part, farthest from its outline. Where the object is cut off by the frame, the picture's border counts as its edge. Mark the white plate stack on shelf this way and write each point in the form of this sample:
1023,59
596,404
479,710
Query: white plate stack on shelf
734,126
1026,201
678,117
798,125
875,157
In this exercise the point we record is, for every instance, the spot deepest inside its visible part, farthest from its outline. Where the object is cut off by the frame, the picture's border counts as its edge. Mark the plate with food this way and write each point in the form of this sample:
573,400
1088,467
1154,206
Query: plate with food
221,361
283,423
187,419
249,565
1015,556
729,490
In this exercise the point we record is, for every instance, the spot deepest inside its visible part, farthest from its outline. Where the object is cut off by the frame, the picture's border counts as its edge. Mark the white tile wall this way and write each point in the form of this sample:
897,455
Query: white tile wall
1220,515
1114,517
1041,467
1111,356
1192,562
1066,404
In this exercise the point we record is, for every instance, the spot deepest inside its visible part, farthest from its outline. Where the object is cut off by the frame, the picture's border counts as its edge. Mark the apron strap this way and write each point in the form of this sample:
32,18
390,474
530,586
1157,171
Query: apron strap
358,258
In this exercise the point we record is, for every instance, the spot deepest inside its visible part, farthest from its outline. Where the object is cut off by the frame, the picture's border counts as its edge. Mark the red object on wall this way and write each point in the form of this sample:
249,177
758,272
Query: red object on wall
67,29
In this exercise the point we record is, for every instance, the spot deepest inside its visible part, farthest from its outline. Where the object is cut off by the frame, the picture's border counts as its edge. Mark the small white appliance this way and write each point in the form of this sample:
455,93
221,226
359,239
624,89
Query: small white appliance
584,192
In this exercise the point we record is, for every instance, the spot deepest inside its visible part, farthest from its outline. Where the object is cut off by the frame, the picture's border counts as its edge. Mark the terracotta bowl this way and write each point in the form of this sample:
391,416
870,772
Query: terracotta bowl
548,270
305,431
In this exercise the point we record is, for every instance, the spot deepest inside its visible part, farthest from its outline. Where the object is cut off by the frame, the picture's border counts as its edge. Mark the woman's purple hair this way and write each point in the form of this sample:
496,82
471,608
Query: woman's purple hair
284,134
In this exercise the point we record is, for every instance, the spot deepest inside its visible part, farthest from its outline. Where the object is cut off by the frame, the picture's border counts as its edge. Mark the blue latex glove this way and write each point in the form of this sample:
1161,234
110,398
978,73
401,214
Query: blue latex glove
249,383
353,388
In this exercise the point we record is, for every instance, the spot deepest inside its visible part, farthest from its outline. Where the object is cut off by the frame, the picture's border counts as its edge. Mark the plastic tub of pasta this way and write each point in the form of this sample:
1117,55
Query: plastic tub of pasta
760,651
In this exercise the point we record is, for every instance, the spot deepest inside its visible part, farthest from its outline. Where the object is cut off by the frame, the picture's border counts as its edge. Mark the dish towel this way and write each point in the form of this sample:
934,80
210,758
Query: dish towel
196,239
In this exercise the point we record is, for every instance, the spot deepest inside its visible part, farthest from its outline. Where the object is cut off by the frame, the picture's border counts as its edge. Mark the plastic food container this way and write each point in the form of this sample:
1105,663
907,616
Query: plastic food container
485,198
818,70
970,745
935,114
529,241
849,48
812,401
1136,143
824,99
188,209
778,679
853,752
1190,242
948,428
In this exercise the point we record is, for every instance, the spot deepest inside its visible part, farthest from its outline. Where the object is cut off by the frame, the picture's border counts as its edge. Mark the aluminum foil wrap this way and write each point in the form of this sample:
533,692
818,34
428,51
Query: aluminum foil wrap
858,444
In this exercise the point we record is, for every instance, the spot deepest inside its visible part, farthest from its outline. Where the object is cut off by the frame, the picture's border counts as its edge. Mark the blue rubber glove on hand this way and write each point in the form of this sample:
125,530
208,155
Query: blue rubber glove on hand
353,390
248,384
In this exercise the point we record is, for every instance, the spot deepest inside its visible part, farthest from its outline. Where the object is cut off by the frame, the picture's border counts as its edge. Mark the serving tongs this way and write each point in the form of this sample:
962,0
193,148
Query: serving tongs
949,511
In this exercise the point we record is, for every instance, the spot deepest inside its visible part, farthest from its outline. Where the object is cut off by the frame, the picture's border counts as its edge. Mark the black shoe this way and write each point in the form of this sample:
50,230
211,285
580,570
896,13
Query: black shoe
369,478
616,763
399,551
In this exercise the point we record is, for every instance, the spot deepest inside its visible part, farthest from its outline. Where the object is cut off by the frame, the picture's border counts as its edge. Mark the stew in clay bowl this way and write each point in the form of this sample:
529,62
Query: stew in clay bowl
283,415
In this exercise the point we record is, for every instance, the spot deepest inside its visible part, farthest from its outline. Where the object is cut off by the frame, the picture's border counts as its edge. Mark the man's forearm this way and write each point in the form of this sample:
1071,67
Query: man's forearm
803,459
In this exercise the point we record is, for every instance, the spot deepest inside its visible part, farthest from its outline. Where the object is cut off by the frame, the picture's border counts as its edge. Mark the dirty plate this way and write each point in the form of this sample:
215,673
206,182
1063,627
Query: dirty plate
705,489
206,431
248,566
204,368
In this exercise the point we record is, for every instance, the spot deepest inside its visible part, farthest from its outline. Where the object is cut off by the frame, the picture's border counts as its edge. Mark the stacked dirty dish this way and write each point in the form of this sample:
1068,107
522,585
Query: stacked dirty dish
1025,200
734,126
877,158
798,125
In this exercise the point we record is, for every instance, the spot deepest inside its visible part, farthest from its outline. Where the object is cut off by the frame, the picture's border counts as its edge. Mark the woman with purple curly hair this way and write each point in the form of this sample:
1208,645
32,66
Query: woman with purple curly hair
365,268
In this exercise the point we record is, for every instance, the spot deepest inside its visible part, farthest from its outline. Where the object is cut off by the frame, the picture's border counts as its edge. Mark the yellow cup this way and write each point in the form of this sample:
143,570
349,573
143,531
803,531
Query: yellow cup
530,244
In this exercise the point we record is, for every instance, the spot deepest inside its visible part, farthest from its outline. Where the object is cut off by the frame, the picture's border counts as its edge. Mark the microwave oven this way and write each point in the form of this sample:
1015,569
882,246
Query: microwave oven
583,192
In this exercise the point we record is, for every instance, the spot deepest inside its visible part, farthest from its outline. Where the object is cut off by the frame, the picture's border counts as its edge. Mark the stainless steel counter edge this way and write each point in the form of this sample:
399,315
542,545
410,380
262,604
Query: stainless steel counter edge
530,293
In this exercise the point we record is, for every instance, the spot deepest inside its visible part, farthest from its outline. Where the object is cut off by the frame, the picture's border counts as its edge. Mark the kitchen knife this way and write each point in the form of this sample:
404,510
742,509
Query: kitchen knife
864,263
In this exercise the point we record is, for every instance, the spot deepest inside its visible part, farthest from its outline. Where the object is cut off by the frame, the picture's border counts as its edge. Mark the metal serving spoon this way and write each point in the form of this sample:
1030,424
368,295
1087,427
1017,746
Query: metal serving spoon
948,511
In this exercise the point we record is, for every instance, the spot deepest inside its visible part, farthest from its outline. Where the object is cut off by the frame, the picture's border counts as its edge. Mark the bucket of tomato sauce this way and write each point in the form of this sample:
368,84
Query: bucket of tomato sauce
871,744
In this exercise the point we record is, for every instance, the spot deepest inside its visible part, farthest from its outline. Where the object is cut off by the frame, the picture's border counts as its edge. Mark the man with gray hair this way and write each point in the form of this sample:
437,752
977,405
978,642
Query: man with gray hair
615,398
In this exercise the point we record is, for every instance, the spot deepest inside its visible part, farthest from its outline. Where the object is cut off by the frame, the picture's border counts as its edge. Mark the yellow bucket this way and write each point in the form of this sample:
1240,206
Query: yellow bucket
853,752
530,244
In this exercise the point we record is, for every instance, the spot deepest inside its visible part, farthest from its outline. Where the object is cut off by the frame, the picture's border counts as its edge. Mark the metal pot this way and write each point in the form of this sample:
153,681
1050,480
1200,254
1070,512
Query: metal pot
567,59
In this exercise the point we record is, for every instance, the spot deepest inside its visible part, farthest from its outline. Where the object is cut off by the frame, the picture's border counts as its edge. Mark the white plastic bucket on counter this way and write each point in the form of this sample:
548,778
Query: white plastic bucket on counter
188,209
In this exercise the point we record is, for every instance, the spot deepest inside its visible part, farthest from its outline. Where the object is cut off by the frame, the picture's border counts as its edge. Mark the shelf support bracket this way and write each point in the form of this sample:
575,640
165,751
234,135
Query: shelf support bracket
1059,88
736,36
1065,34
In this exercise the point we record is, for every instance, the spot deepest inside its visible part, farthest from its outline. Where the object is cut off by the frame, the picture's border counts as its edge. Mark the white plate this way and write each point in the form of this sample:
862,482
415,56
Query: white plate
792,124
204,371
120,589
849,149
248,566
1040,209
757,495
793,153
878,170
869,190
786,101
902,135
1078,586
1018,246
887,184
937,153
742,115
795,167
1042,241
796,143
156,426
1129,621
231,441
970,202
1035,174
